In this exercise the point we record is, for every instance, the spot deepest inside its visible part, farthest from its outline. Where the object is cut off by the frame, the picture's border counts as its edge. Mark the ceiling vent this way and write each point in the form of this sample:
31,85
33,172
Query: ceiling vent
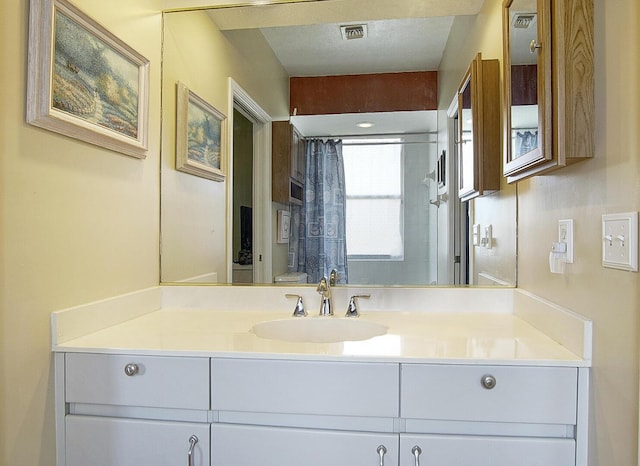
354,31
523,20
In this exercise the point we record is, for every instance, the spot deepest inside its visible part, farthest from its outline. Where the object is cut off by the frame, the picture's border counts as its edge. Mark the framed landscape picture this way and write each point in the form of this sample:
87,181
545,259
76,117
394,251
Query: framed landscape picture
84,82
199,136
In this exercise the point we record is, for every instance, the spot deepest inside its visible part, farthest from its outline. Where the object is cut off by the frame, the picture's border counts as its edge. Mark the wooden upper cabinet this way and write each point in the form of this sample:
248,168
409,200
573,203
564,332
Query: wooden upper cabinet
287,163
479,129
548,85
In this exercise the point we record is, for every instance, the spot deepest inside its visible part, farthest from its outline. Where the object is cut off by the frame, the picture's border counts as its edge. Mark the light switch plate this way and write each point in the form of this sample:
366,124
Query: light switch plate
620,241
487,238
475,234
565,235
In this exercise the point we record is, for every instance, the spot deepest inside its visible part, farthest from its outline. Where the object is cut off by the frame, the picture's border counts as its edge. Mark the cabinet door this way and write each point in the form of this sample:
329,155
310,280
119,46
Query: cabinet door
235,445
101,441
154,382
479,129
548,85
536,395
305,387
459,450
297,156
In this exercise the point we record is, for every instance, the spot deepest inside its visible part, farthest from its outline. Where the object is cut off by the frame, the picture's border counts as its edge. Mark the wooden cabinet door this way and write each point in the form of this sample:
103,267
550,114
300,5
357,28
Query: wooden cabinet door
103,441
238,445
460,450
298,156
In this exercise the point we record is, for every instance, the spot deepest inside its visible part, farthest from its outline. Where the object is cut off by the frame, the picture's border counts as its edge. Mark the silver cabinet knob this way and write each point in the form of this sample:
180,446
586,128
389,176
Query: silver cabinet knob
488,381
131,369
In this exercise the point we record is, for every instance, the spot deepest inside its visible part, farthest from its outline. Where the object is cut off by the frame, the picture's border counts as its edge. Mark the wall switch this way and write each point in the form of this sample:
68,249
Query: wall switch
620,241
475,234
487,238
565,235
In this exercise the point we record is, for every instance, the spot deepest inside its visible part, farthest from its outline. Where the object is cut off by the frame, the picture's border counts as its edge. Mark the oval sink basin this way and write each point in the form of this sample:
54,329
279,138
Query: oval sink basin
319,329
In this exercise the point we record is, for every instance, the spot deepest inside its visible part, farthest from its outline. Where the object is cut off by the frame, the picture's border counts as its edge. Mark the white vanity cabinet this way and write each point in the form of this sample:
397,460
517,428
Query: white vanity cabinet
279,446
120,410
312,413
488,415
106,441
456,450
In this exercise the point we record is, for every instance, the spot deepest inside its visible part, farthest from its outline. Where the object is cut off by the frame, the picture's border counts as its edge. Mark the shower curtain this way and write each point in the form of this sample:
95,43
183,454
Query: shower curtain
318,237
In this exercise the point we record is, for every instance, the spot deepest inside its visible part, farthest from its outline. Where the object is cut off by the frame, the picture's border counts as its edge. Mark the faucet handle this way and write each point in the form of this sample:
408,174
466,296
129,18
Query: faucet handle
323,286
299,311
333,277
352,308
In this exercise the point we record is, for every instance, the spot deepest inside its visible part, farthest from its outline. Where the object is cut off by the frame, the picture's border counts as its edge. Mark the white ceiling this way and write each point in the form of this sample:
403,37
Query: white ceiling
402,35
394,45
383,123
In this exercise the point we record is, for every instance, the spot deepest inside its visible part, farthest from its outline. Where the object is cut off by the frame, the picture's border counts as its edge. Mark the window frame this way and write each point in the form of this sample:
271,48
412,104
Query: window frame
380,140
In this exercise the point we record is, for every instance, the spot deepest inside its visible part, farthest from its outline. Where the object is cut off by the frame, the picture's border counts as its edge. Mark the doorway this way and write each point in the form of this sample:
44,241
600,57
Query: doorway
254,170
460,257
242,240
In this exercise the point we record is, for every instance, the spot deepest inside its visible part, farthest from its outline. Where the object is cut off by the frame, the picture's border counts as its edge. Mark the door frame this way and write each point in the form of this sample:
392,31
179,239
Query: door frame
262,236
460,213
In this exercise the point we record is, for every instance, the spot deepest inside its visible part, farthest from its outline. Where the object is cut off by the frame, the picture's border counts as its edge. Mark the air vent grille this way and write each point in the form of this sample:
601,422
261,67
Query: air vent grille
523,21
354,31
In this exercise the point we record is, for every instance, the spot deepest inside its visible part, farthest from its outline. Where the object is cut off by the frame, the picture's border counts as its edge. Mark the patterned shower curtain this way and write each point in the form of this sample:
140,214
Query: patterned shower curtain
318,238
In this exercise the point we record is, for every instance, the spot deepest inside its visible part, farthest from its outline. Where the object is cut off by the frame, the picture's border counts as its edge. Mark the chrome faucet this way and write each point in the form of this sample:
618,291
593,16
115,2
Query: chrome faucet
324,288
326,308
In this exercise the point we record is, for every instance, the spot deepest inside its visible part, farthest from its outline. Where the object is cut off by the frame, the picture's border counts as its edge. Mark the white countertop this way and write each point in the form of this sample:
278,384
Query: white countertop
421,337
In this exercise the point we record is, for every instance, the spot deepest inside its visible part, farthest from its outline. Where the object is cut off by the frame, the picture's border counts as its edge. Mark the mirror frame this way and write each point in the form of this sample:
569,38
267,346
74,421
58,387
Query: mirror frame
539,159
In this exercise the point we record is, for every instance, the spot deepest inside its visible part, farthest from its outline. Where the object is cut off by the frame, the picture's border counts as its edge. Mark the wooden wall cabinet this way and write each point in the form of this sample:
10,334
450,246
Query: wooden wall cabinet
479,150
548,85
287,164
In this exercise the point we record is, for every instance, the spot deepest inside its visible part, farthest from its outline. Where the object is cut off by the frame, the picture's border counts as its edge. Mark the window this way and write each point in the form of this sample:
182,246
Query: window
373,171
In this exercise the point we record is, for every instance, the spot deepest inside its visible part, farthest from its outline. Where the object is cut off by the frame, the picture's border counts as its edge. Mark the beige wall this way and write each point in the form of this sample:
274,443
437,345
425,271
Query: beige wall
607,184
470,35
194,209
77,223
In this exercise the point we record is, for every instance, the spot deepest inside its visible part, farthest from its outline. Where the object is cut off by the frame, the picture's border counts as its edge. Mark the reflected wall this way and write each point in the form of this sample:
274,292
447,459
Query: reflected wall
497,265
194,235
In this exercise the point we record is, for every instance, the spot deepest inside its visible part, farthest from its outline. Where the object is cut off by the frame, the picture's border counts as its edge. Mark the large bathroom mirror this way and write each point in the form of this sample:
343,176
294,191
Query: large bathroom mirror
238,58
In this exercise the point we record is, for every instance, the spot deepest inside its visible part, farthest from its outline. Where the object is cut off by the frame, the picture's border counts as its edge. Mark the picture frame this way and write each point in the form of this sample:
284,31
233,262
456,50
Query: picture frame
284,226
200,130
84,82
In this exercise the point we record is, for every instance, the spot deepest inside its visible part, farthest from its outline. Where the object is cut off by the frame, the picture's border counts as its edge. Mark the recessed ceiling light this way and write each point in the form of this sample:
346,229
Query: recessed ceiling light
364,124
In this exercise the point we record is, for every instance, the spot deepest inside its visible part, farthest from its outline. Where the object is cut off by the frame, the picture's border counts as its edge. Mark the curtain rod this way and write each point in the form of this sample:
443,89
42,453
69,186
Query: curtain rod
371,135
374,136
403,143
